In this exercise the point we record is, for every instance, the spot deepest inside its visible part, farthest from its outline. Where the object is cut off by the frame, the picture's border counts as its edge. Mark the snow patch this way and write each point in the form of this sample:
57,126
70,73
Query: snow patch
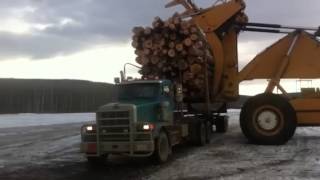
25,120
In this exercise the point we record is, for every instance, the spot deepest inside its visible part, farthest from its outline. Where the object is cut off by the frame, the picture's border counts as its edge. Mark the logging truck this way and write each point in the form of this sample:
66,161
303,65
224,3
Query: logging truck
148,119
190,97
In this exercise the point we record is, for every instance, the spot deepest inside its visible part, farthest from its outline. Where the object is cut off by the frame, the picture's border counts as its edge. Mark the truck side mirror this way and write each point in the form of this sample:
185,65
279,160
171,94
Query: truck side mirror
166,90
116,80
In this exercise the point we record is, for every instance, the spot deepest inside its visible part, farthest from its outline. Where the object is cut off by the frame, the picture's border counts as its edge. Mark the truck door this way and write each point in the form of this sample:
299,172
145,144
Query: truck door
167,103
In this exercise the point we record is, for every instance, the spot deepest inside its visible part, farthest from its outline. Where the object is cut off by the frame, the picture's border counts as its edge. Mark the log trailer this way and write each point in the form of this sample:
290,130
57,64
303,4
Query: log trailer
151,115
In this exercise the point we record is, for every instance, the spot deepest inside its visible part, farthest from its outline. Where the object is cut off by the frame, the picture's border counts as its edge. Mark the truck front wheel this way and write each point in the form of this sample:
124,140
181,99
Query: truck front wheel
268,119
162,148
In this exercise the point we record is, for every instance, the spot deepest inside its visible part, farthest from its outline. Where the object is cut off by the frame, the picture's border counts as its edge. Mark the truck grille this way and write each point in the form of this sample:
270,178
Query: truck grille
142,137
114,122
114,126
115,129
115,114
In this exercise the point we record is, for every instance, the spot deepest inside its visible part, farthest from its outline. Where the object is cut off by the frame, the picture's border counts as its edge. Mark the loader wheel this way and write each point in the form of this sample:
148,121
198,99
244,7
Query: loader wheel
222,123
268,119
162,148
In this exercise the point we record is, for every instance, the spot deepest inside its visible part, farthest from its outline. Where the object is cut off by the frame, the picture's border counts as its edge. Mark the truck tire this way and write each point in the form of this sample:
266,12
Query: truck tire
268,119
201,134
162,148
222,124
208,132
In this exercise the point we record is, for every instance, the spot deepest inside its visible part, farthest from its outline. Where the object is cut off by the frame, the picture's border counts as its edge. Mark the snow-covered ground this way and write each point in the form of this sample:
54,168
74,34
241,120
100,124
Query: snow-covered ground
52,152
26,120
229,156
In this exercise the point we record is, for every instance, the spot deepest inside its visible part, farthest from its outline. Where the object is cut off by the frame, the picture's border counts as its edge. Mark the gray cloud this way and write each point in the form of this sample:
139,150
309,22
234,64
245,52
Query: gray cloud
94,22
37,46
97,22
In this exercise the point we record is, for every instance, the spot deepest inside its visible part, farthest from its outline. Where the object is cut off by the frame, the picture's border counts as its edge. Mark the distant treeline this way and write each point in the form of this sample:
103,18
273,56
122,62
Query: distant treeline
52,96
60,96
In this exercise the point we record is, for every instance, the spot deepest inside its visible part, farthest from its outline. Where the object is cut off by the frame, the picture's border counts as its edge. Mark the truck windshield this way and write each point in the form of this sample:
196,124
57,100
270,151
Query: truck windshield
136,91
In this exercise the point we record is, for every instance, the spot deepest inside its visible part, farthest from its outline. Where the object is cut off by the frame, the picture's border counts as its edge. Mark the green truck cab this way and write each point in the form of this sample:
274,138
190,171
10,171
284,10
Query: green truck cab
148,119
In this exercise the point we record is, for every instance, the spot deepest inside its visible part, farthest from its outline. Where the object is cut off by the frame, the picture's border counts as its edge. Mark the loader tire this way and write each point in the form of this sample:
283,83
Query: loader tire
268,119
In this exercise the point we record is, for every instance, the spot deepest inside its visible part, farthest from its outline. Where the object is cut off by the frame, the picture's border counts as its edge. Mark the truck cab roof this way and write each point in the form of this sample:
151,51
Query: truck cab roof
160,81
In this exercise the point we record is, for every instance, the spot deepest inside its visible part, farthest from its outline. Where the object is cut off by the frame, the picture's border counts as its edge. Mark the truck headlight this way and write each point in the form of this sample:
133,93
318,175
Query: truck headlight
89,129
148,127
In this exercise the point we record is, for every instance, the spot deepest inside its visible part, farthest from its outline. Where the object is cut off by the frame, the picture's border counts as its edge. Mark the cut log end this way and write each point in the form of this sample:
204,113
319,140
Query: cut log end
174,49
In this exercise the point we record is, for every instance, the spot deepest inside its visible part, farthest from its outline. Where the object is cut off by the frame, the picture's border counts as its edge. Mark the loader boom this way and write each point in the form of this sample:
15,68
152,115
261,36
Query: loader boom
300,48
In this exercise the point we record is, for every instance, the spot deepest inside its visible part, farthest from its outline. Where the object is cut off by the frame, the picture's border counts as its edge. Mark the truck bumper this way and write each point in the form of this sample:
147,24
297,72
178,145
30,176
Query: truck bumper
136,149
88,148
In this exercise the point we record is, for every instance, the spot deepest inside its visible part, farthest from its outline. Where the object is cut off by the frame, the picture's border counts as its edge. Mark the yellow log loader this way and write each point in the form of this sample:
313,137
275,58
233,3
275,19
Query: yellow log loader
267,118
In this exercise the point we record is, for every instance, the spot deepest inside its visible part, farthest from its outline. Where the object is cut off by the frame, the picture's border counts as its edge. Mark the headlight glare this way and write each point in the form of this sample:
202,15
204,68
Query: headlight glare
148,127
89,128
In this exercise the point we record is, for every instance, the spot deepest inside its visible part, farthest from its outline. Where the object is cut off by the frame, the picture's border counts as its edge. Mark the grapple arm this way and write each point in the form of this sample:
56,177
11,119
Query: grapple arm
218,23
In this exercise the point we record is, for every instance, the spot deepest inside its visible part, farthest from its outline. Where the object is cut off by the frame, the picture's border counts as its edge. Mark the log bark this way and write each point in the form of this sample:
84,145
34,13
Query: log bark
174,49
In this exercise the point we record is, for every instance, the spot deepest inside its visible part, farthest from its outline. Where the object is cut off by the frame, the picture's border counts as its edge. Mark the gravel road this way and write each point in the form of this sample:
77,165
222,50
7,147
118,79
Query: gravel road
52,152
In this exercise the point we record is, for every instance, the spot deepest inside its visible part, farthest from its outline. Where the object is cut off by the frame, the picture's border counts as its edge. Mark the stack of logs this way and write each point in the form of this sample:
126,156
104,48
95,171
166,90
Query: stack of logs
174,49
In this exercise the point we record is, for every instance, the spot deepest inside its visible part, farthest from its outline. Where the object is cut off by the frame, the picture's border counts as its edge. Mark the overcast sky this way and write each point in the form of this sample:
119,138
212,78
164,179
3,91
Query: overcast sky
90,39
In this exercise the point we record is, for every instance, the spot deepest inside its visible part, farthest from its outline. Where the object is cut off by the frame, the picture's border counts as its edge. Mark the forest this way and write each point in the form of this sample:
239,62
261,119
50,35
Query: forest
53,96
